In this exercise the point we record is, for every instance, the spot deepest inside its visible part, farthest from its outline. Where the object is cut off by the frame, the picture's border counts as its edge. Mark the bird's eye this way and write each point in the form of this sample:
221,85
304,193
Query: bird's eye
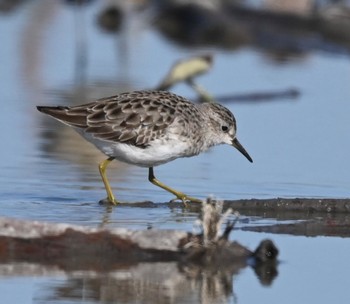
224,128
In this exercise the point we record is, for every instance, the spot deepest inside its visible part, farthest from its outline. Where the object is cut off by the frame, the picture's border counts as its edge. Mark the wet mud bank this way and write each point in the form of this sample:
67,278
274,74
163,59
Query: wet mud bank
309,216
256,206
303,205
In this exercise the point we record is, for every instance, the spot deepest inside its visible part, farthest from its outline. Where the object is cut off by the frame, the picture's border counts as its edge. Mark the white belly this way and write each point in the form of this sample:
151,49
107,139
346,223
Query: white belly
158,153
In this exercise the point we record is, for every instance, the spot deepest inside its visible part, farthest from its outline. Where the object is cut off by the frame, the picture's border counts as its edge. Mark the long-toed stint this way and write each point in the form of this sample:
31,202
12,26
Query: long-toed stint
149,128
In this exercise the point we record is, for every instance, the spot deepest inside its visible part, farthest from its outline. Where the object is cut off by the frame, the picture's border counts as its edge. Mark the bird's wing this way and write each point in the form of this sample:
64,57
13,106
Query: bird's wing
135,118
135,121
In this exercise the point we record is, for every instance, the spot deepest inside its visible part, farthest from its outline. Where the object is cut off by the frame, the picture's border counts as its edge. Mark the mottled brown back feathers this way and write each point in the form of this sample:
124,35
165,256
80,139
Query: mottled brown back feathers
134,118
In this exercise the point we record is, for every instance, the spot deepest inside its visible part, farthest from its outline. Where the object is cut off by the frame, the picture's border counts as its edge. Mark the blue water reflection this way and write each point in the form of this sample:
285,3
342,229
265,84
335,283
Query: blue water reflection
300,146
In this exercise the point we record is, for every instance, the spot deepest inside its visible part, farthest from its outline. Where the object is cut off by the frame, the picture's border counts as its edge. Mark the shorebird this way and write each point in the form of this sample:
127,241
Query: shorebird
149,128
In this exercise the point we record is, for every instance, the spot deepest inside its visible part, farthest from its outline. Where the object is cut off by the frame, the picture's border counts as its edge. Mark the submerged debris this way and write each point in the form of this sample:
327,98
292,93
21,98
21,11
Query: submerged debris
214,247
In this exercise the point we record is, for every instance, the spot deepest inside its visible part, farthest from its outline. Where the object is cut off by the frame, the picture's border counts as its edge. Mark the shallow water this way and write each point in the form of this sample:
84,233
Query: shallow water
300,146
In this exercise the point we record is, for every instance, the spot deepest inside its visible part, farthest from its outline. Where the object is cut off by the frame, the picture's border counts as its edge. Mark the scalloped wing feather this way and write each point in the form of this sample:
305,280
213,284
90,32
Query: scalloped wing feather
134,118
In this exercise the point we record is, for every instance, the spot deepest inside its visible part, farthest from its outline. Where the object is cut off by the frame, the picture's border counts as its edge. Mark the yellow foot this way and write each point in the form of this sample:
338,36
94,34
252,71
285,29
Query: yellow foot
107,201
186,199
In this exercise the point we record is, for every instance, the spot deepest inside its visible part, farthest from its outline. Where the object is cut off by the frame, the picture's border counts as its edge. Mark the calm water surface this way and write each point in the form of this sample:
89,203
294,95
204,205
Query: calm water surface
300,147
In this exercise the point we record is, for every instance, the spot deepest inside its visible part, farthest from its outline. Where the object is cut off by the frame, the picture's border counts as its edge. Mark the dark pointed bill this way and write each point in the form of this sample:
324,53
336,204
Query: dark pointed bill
240,148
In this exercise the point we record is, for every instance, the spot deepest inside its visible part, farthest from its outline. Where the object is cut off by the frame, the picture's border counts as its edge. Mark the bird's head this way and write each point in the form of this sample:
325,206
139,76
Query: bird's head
223,126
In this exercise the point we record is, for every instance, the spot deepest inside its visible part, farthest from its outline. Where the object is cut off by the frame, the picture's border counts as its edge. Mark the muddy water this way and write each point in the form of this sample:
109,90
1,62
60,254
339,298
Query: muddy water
300,148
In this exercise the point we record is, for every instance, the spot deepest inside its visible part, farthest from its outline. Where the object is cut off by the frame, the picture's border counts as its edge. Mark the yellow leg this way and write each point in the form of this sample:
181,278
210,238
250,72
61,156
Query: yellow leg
182,196
102,167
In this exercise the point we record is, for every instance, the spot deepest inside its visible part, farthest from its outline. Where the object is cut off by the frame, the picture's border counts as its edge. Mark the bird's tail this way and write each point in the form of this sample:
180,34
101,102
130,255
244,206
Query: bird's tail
70,116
